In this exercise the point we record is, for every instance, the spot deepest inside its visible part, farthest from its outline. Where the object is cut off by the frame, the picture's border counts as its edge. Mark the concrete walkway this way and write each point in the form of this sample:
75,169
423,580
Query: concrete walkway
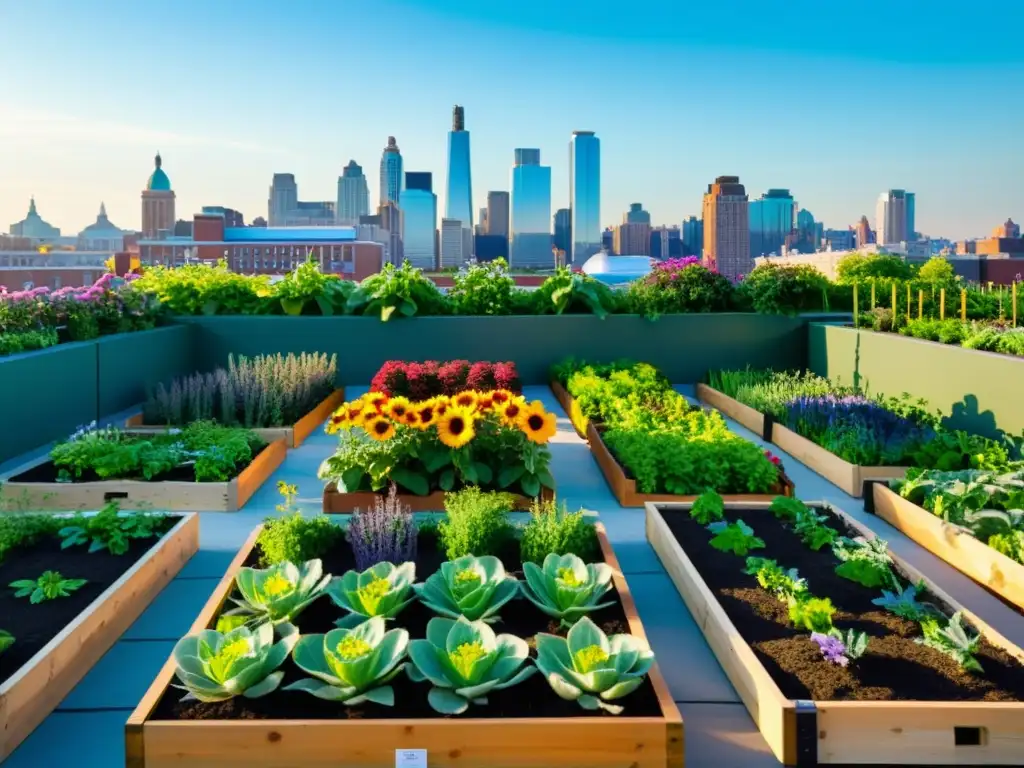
87,729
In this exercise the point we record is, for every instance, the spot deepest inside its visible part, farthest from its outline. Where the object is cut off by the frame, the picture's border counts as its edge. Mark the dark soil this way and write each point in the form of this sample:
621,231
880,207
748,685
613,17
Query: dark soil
894,666
532,698
33,626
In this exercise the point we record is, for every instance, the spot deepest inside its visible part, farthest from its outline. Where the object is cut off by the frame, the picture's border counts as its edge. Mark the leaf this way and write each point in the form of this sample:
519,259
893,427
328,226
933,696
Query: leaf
293,307
407,307
483,473
446,480
326,306
211,307
546,478
530,485
510,474
434,461
413,481
386,313
863,572
351,479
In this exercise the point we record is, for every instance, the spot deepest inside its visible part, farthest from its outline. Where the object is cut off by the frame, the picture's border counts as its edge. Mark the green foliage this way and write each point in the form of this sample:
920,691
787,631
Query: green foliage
485,289
855,643
405,291
26,341
110,530
937,271
784,584
567,588
952,640
383,590
812,529
862,267
813,614
1010,544
307,290
769,392
557,531
708,508
785,289
278,594
474,588
669,289
297,539
737,537
905,604
476,523
567,292
199,289
49,586
788,508
25,530
864,561
6,640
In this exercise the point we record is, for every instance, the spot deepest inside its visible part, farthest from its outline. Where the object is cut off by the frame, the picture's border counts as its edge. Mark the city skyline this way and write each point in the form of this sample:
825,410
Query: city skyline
737,117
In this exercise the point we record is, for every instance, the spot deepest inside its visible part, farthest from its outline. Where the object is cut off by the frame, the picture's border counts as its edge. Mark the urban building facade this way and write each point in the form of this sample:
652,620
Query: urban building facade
353,194
491,247
157,203
391,173
840,239
633,236
458,204
666,243
530,219
33,226
1007,230
453,253
693,236
563,231
497,214
891,217
727,227
772,219
584,195
912,233
101,235
283,198
232,218
418,204
862,232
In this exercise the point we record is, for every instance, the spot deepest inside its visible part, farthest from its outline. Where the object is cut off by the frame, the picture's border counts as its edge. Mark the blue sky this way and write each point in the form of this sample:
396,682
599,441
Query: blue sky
837,101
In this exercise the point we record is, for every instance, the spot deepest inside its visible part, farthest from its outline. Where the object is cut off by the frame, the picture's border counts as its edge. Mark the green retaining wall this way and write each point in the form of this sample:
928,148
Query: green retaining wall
976,391
45,395
683,346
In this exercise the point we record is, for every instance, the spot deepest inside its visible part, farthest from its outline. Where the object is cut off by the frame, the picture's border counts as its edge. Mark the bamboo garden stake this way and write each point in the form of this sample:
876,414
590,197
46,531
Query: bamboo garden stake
942,303
963,305
920,303
872,294
854,305
1013,291
894,307
908,302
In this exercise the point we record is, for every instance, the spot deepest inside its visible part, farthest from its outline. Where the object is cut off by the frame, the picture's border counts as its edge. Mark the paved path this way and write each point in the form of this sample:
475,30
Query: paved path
86,730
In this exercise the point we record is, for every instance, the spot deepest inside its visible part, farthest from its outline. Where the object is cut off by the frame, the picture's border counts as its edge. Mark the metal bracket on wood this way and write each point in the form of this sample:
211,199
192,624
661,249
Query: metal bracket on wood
768,430
868,491
806,734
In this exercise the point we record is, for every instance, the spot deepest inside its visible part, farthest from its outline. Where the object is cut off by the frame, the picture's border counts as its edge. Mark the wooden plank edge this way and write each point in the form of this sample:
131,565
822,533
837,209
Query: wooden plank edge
732,408
308,424
568,403
335,503
252,478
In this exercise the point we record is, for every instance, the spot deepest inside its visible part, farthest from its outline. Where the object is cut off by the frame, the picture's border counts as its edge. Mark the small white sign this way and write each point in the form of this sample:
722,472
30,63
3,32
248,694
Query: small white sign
410,758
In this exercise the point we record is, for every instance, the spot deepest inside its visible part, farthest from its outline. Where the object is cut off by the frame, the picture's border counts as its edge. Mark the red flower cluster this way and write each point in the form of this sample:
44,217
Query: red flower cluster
773,458
421,381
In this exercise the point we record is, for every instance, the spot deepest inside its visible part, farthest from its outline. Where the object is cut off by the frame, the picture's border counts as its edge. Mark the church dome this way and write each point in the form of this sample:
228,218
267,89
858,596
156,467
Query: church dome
158,181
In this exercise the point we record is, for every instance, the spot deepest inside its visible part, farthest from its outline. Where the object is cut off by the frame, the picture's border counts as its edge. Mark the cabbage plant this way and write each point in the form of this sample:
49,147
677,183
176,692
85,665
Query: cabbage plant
279,593
465,661
474,587
351,666
381,590
215,666
566,587
589,667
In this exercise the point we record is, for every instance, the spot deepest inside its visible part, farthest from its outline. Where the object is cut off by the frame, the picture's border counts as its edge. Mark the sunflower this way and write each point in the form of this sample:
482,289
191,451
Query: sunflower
484,402
511,410
396,408
379,428
364,416
377,400
441,404
466,399
355,410
500,396
410,418
339,420
456,427
425,412
537,424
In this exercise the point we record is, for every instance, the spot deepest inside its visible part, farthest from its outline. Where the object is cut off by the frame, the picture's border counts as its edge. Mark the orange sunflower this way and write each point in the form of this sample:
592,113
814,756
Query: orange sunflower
466,399
456,427
426,413
364,416
484,402
396,408
500,396
377,400
379,428
410,419
537,424
441,404
339,420
511,410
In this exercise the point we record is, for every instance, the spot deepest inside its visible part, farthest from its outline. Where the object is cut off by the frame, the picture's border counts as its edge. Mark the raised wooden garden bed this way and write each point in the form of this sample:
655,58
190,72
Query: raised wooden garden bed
578,420
953,544
867,726
344,503
580,741
176,495
32,692
742,414
294,436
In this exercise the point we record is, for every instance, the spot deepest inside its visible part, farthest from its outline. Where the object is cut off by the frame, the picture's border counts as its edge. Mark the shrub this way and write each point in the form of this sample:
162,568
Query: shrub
567,292
398,292
861,267
27,341
484,289
937,271
785,289
558,531
477,523
421,381
679,285
385,532
296,539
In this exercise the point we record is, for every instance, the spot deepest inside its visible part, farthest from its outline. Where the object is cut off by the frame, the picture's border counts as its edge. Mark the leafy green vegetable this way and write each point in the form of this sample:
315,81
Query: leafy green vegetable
865,562
953,640
737,537
111,530
381,590
473,587
6,640
566,588
49,586
855,643
787,508
812,613
812,530
279,593
904,603
773,578
708,508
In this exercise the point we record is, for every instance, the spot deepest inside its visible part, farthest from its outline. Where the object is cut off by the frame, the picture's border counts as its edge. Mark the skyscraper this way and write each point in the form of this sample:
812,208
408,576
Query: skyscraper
771,221
419,220
530,221
633,235
458,204
284,198
563,230
693,236
891,217
727,227
911,216
353,195
157,203
862,232
390,173
452,253
585,195
497,214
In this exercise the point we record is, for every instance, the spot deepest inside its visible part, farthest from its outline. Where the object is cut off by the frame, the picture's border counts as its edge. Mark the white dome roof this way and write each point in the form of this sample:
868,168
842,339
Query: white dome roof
616,269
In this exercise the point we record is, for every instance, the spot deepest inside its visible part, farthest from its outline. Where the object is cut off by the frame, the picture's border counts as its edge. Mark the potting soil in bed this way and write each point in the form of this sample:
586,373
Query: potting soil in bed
532,698
33,626
894,666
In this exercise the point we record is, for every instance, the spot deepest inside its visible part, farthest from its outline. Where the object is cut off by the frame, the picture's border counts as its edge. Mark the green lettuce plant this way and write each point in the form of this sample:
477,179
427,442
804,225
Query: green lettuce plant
708,508
49,586
278,593
351,666
381,590
772,577
952,640
465,660
566,588
737,537
214,666
591,668
474,587
864,561
811,613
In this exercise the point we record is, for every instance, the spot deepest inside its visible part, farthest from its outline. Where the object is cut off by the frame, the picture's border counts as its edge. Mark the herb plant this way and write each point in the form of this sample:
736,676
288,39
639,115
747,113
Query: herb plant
476,523
111,531
953,640
784,584
297,539
23,530
708,508
737,537
554,530
6,640
49,586
384,533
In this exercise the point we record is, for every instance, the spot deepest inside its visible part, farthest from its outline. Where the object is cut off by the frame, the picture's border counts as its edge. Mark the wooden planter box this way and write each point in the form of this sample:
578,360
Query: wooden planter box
451,742
809,733
578,420
625,490
35,690
345,503
293,436
956,546
849,477
732,408
173,495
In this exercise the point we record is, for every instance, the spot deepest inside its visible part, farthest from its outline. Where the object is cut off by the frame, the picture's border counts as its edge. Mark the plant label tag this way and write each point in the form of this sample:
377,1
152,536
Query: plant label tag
410,758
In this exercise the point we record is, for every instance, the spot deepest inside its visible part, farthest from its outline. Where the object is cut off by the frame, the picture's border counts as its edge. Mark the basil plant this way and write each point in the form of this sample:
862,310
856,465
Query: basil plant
465,661
279,593
591,668
351,666
381,590
214,666
566,587
474,587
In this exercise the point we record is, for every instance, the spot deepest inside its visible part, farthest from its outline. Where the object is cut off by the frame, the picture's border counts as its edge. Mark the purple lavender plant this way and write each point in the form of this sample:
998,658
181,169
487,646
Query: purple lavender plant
832,648
385,533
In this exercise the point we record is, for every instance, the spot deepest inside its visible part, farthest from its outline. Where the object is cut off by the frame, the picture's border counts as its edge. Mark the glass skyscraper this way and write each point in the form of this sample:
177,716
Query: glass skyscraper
771,220
530,212
419,221
391,173
585,194
911,199
458,204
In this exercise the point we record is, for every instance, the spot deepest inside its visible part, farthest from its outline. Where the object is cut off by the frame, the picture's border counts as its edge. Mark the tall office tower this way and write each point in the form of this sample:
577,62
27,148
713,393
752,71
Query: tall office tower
809,233
862,232
772,218
390,173
530,220
453,253
419,220
693,236
891,217
391,220
284,198
633,235
563,230
497,214
157,203
911,199
481,222
727,227
666,242
585,195
353,195
458,204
